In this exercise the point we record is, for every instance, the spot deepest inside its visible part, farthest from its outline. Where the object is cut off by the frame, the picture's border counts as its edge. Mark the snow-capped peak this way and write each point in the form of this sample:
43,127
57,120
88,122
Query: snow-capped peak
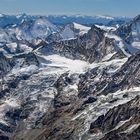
68,33
21,16
1,15
39,28
83,29
105,17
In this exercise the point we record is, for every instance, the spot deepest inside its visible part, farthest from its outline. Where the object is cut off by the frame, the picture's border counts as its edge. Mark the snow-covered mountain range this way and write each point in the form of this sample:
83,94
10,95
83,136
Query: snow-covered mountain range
6,20
71,79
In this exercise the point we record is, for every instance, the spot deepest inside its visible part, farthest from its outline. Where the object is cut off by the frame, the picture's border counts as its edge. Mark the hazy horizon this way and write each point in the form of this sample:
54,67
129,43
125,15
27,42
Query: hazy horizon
62,14
128,8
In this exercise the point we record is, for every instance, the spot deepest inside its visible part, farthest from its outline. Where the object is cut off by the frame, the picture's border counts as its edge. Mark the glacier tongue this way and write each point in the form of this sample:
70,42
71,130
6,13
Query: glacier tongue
64,64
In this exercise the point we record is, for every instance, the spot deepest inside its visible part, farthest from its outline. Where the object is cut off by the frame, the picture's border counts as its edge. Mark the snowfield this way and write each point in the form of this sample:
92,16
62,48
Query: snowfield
64,64
83,29
119,42
106,28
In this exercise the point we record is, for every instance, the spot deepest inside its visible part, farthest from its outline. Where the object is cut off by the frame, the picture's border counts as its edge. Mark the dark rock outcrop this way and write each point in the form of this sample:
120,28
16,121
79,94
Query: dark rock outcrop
121,122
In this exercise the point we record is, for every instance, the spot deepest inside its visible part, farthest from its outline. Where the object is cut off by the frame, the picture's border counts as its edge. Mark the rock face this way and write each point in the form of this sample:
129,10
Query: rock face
130,33
121,122
73,111
81,87
6,65
94,41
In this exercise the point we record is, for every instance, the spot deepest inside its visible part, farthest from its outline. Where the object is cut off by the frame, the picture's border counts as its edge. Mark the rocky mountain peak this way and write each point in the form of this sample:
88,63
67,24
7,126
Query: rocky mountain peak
137,18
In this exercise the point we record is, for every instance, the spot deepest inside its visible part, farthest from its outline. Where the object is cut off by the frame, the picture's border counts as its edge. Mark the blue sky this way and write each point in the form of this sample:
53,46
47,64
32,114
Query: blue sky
129,8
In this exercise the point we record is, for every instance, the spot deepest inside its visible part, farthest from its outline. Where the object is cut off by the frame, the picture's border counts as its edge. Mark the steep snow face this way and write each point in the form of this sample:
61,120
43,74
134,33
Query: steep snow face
136,29
39,28
130,32
71,31
68,33
114,65
136,35
106,28
42,28
119,43
83,29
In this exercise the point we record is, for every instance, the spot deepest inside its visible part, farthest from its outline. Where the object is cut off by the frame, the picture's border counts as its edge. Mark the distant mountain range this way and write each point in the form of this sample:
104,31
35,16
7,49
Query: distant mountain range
63,19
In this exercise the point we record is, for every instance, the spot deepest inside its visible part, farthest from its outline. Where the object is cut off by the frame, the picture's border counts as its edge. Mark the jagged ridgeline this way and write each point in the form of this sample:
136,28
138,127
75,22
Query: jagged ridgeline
72,79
